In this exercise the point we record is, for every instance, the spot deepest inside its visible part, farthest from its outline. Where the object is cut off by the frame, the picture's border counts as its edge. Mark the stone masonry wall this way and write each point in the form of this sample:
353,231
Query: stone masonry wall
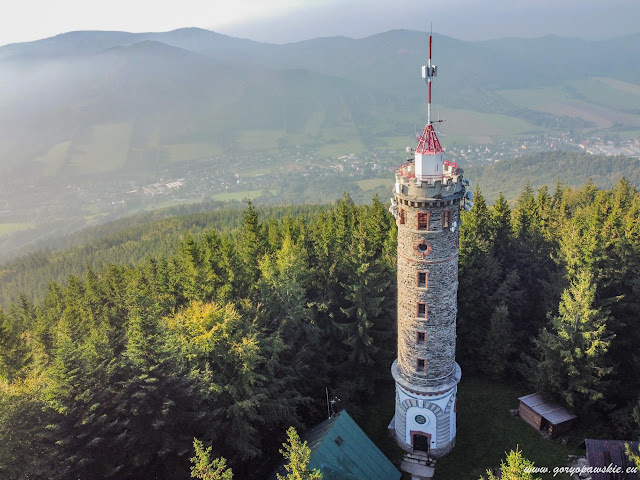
439,259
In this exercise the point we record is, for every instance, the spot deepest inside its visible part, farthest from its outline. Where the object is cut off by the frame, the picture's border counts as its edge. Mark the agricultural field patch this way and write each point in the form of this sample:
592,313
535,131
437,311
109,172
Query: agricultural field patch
399,142
623,86
183,152
7,228
451,140
603,101
338,149
104,149
54,159
609,93
602,118
248,194
254,172
469,123
260,140
372,183
531,97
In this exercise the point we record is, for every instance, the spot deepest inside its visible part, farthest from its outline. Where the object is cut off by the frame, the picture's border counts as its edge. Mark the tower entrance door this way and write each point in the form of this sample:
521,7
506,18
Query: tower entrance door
421,441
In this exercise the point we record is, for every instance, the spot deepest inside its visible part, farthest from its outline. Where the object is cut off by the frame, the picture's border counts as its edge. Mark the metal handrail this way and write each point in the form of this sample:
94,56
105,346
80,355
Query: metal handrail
453,167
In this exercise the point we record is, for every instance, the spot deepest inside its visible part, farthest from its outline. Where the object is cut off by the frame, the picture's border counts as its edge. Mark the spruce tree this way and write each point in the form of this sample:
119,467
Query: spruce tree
297,454
250,245
516,467
501,233
479,274
498,346
205,469
571,354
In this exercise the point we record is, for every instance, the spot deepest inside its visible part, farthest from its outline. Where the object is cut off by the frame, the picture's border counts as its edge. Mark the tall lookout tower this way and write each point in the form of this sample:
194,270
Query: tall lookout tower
426,204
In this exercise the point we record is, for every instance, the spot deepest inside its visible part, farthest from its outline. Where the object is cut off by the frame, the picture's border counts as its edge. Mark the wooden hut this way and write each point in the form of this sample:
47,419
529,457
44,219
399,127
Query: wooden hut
545,415
603,453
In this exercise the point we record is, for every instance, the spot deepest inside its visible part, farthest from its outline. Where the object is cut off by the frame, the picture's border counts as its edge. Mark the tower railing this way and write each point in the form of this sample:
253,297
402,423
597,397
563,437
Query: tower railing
450,169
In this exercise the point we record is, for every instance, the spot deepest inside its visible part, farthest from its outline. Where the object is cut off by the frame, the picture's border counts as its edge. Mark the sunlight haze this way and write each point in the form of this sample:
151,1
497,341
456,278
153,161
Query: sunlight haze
283,21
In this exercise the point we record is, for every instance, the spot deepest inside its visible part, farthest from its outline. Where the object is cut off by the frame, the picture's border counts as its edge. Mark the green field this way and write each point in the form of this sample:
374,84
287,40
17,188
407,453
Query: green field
254,172
372,183
473,124
249,194
604,101
55,158
609,93
183,152
105,149
485,431
7,228
451,140
533,97
260,140
338,149
314,123
400,142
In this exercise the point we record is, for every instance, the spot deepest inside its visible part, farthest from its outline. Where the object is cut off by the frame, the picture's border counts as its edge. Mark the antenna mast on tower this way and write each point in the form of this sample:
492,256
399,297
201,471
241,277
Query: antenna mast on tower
428,72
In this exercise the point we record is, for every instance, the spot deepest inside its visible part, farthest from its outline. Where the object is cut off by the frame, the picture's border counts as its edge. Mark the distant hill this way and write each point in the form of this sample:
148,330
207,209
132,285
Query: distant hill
152,95
539,169
66,97
129,241
89,117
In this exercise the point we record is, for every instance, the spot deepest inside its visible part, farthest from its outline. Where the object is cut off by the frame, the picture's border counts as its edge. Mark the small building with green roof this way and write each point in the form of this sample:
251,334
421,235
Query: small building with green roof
342,451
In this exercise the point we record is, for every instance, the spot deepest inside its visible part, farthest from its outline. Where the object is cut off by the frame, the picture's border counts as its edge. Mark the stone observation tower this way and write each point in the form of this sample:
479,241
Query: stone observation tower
427,199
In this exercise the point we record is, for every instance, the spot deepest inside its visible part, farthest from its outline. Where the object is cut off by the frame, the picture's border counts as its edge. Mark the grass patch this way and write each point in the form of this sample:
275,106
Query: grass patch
374,421
255,172
473,124
54,158
7,228
106,149
261,140
455,140
249,194
585,98
485,431
531,97
314,123
183,152
342,148
400,142
627,134
609,93
372,183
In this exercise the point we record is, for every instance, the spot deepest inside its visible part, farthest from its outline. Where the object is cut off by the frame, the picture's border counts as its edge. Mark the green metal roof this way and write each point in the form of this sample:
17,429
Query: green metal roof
342,451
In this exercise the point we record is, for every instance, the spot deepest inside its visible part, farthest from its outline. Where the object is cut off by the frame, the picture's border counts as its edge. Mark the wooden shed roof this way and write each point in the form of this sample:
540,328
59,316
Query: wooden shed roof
601,453
550,411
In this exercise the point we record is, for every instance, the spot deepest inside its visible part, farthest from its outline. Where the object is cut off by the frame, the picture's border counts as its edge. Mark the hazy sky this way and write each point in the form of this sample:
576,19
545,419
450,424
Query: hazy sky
293,20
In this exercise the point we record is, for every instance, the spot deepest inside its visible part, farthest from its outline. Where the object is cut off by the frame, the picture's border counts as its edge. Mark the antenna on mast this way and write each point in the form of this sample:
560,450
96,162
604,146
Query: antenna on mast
428,72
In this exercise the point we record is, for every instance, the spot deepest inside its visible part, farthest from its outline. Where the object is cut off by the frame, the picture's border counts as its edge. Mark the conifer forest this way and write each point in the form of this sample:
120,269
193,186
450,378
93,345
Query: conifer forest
111,368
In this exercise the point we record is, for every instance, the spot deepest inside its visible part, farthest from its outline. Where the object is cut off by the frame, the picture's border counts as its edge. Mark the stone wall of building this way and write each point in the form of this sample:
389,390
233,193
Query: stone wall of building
434,251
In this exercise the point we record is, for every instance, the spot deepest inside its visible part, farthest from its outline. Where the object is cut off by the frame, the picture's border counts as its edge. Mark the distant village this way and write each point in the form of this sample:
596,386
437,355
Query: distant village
238,175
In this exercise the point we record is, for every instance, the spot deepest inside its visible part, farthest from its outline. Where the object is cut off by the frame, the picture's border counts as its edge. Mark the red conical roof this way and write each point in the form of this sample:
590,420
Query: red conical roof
429,143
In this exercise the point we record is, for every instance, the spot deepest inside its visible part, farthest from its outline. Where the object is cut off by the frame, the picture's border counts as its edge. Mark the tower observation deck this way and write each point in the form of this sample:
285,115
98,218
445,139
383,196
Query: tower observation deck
428,194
